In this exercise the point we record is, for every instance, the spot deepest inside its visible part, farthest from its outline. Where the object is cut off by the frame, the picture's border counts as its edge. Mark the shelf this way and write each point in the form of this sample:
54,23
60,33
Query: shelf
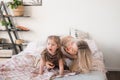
14,30
14,16
11,29
10,44
5,44
6,53
5,57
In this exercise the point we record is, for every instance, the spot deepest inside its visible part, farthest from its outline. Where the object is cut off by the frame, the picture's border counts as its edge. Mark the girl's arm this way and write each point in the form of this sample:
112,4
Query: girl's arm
61,66
42,63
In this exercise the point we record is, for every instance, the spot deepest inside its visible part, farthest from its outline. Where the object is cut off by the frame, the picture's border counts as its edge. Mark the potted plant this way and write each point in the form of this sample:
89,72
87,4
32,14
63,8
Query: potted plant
4,24
17,6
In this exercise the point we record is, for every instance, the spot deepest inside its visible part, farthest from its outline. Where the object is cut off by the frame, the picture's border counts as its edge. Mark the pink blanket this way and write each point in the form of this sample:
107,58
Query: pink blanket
21,67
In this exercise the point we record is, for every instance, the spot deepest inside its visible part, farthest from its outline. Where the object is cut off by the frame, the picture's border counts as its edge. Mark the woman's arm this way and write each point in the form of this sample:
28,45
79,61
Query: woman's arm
42,63
61,66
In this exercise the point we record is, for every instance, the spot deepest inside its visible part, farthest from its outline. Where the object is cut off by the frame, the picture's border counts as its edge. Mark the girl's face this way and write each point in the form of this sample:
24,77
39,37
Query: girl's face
51,46
72,48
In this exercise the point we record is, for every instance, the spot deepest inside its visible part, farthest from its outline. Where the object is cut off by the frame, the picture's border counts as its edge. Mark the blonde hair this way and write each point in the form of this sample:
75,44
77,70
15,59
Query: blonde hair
66,40
84,61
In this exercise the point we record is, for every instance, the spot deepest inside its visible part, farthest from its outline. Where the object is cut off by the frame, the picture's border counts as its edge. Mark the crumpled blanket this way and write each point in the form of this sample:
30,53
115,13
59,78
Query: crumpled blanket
22,67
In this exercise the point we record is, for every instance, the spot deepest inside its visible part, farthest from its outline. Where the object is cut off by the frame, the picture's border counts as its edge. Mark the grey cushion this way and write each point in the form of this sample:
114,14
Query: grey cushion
94,75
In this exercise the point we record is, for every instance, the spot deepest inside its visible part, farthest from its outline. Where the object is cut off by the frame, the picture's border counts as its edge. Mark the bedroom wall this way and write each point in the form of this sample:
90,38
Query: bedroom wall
101,18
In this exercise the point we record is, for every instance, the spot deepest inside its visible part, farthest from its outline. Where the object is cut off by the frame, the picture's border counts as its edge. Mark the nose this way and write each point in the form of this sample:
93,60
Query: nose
50,46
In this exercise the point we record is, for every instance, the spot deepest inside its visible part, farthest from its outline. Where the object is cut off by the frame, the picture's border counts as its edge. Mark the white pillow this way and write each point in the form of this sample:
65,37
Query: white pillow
97,56
92,45
34,47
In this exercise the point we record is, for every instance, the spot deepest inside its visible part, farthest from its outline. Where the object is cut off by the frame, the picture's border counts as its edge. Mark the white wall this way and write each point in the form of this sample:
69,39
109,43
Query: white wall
101,18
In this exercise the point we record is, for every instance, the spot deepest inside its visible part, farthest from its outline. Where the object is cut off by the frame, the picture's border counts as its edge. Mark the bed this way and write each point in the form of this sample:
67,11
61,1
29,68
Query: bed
25,65
93,75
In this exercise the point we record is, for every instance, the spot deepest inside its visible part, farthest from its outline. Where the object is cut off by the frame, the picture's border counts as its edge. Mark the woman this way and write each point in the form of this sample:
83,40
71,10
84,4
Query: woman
77,54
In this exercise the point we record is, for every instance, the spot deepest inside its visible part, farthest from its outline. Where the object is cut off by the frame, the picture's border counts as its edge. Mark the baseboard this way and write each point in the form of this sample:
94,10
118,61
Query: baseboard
112,69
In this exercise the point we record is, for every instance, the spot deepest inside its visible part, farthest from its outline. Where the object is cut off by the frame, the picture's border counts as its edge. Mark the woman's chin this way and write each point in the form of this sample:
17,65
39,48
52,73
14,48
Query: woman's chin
74,53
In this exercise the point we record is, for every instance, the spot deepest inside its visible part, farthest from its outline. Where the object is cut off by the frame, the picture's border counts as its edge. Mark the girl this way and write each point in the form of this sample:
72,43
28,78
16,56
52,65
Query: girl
52,55
77,54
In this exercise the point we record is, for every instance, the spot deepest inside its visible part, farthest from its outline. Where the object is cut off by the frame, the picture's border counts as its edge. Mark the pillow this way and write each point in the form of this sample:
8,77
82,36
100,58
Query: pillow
35,48
92,45
79,34
97,56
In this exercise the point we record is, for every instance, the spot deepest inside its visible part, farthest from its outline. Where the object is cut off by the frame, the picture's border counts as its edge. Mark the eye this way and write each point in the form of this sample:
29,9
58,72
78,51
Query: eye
48,43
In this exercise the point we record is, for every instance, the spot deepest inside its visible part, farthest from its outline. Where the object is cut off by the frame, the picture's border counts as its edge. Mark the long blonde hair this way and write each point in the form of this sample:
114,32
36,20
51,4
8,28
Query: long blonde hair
84,61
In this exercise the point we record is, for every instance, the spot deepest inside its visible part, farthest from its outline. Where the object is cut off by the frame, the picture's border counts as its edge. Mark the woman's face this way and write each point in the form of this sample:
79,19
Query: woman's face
72,48
51,46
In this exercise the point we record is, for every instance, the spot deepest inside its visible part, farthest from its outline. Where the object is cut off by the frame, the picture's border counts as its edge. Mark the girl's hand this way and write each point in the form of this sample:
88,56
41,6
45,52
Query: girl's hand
49,65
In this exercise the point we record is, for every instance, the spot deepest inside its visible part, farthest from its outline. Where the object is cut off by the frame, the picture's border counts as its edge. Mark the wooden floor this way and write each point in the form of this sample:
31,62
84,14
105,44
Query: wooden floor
113,75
